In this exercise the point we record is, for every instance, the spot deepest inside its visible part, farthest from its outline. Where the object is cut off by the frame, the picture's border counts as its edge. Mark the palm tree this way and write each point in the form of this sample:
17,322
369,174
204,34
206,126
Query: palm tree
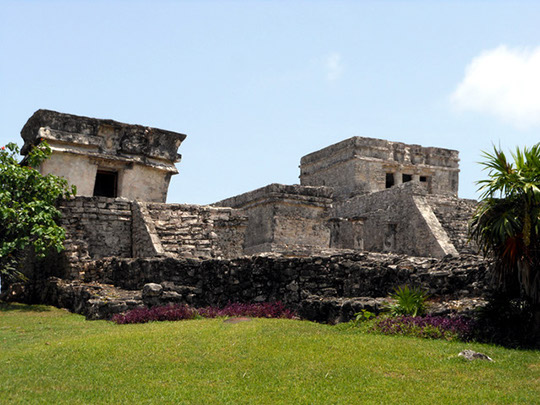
506,225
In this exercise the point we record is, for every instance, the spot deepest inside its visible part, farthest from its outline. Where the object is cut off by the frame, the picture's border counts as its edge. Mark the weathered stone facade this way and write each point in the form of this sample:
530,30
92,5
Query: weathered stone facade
363,165
105,157
98,227
309,242
399,220
285,219
363,194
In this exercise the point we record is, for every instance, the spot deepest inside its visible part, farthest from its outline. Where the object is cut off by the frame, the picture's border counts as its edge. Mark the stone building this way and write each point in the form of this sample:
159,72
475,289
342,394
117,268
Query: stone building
363,194
326,247
363,165
105,157
359,194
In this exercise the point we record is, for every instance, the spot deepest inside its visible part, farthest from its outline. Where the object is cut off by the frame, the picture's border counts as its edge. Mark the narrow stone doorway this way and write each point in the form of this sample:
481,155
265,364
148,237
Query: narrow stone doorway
106,184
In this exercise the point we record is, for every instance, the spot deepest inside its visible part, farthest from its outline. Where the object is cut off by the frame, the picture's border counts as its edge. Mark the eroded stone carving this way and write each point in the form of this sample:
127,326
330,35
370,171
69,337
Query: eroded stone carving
105,157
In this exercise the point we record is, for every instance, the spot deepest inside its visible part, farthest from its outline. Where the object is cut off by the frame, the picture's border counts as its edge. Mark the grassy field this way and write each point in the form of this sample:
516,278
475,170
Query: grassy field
50,356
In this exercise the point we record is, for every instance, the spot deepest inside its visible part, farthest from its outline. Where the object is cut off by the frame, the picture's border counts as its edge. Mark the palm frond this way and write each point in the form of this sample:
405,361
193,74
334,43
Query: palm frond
506,224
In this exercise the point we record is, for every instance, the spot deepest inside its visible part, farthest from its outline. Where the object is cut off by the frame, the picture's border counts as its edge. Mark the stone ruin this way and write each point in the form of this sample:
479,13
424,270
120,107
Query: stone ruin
104,157
368,215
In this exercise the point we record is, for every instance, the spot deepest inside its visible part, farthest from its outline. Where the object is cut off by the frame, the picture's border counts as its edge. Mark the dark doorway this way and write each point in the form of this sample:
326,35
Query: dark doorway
389,180
407,178
105,185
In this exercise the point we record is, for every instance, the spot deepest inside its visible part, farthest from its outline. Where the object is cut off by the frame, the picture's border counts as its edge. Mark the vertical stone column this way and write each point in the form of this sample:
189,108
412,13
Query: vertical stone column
398,178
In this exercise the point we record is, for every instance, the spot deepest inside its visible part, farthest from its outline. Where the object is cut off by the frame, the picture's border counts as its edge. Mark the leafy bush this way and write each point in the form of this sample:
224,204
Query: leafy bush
28,216
408,301
362,317
182,312
431,327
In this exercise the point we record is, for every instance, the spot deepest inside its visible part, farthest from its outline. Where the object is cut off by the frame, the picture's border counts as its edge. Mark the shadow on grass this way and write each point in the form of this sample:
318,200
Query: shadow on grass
14,306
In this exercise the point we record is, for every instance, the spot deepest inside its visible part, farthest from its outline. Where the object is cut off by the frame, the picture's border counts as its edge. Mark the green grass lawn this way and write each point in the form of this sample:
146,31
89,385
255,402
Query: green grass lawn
50,356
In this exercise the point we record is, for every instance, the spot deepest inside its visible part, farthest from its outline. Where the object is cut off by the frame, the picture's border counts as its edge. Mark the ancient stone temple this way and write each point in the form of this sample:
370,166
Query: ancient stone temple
105,157
360,194
368,215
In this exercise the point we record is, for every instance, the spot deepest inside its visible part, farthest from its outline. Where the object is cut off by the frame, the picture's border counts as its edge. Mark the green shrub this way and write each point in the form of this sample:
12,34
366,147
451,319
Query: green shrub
408,302
28,215
363,316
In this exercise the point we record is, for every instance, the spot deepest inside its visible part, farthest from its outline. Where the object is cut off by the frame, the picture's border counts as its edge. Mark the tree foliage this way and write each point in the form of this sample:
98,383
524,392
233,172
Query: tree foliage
28,216
506,225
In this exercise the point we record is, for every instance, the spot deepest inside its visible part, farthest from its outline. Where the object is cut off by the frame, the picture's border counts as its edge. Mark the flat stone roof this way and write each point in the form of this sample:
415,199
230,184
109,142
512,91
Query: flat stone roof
102,137
280,192
363,147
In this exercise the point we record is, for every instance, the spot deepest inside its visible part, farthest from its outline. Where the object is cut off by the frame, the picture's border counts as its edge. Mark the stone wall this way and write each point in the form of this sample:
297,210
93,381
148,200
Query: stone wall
323,288
328,288
285,218
146,240
398,220
347,233
293,281
96,227
197,231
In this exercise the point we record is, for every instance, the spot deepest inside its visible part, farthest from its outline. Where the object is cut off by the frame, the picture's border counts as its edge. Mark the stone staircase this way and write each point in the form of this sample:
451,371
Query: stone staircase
194,231
454,215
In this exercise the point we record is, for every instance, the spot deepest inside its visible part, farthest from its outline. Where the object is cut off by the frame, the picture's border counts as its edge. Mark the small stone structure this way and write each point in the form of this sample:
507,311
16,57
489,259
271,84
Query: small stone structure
302,244
364,165
105,157
285,219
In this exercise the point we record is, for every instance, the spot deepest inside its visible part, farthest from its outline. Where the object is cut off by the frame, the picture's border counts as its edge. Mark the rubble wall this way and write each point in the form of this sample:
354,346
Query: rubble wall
297,282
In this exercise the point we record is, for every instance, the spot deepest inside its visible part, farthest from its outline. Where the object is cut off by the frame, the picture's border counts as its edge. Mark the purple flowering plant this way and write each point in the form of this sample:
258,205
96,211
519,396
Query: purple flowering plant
184,312
431,327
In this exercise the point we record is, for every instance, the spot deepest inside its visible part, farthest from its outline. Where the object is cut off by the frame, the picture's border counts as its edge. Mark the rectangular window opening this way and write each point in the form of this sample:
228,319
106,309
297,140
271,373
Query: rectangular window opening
389,180
106,184
407,178
423,179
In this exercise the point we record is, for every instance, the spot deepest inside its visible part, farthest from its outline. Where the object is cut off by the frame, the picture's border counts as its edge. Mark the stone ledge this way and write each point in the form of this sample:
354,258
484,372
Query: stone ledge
277,193
86,131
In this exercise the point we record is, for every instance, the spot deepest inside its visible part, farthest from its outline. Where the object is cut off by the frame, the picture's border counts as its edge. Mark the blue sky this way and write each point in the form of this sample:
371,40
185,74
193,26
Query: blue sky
258,84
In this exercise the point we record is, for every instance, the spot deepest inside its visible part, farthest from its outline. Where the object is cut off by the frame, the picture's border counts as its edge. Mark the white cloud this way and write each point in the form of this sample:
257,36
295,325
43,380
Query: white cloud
333,66
503,82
